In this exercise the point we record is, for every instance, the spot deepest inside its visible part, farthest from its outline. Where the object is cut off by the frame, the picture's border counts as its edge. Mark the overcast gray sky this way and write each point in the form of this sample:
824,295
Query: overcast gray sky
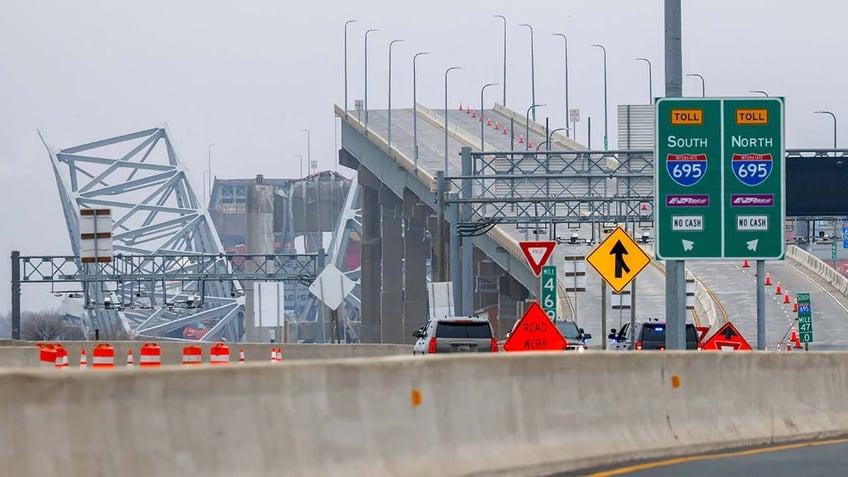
249,75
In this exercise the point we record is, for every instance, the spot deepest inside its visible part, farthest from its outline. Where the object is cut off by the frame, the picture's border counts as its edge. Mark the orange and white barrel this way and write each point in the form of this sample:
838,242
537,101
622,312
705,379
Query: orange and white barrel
61,357
47,355
219,353
150,355
192,355
103,356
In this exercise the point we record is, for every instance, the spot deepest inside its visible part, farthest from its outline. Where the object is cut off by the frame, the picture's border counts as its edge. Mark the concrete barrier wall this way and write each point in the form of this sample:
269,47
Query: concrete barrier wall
24,355
425,416
817,266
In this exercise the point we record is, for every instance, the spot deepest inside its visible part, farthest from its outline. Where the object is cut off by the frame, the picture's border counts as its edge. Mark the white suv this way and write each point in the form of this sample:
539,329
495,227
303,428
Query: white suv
457,334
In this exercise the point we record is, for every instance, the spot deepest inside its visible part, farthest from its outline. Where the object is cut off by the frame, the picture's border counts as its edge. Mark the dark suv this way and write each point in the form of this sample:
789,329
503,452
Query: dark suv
650,336
574,335
455,335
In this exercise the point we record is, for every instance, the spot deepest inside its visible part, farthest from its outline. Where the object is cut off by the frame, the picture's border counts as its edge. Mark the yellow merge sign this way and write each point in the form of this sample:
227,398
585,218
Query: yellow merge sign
618,259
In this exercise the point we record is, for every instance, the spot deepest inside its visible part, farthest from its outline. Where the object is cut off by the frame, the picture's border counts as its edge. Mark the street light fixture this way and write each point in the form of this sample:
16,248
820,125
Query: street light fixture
551,134
415,110
301,165
703,83
448,70
759,91
527,124
606,112
650,80
532,68
834,124
308,150
567,109
366,74
504,56
389,139
483,126
345,61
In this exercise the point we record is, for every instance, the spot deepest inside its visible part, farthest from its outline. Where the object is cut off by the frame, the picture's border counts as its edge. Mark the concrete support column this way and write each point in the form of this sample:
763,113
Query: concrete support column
416,247
391,294
370,277
259,240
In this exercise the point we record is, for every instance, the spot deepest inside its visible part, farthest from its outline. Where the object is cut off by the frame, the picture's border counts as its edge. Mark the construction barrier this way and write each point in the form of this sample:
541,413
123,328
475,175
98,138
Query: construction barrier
219,353
103,356
61,357
150,355
47,355
192,355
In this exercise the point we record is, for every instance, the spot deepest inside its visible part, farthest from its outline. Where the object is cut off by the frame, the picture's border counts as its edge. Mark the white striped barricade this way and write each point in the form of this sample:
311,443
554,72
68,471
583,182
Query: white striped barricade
192,355
61,357
219,353
150,355
103,356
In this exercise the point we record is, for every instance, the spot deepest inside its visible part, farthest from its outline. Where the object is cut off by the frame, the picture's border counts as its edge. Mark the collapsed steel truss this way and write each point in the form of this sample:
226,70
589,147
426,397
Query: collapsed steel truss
550,187
155,212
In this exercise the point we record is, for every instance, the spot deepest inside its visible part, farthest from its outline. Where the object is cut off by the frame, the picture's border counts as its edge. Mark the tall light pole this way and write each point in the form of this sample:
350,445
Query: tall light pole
308,149
366,74
527,124
551,134
567,120
504,56
301,165
834,124
208,187
759,91
650,80
415,110
446,113
389,139
482,125
606,112
345,61
532,68
703,83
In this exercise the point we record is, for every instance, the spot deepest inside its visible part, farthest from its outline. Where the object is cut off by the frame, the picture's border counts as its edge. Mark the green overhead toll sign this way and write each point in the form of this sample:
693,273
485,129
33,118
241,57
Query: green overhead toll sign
719,178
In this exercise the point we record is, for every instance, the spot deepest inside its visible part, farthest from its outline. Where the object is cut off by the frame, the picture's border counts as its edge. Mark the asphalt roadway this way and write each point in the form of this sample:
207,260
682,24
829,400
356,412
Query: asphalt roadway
809,459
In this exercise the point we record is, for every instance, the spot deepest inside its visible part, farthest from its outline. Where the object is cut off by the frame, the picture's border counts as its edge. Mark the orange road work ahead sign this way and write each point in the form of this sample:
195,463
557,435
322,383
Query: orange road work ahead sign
535,332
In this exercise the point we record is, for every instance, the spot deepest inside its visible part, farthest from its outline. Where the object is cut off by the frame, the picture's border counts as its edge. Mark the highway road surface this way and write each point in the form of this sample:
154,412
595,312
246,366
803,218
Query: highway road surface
823,458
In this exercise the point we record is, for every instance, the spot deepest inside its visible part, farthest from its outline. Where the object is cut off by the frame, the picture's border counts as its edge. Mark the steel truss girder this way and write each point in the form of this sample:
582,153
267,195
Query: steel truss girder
152,268
522,187
155,212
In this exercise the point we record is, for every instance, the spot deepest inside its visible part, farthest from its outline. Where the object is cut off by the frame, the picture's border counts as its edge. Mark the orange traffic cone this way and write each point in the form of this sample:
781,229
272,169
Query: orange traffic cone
273,355
468,110
489,122
130,362
796,341
460,106
786,298
241,355
497,126
745,264
505,131
777,291
795,306
529,144
521,139
644,206
768,280
83,359
474,114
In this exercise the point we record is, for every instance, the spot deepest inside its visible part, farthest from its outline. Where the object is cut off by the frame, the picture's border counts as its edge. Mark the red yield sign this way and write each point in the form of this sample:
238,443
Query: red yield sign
537,254
535,332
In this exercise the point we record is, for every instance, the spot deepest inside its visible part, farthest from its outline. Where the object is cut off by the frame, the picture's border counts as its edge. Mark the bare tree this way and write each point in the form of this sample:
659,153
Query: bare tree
42,326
